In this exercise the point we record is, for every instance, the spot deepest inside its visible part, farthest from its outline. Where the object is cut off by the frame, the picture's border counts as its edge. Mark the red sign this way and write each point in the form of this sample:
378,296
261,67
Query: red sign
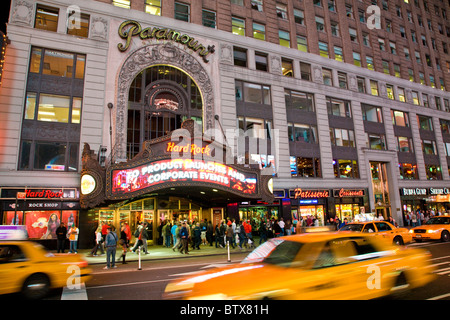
44,193
341,193
307,194
181,170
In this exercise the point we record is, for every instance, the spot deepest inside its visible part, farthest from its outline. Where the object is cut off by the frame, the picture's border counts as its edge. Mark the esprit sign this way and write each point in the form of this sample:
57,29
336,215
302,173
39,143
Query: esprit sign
130,28
158,173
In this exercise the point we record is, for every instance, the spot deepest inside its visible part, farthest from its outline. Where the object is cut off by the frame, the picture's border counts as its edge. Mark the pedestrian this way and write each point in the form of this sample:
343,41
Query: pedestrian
61,236
175,231
197,236
73,238
242,236
110,244
209,233
123,242
137,235
203,228
413,218
217,235
144,237
184,236
98,242
262,232
222,231
230,235
282,226
167,234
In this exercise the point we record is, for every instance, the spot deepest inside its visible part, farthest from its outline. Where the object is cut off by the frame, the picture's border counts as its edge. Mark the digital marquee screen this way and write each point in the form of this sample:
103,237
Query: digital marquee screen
182,170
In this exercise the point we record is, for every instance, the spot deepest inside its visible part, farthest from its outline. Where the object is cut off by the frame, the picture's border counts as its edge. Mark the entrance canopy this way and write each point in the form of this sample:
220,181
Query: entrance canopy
183,164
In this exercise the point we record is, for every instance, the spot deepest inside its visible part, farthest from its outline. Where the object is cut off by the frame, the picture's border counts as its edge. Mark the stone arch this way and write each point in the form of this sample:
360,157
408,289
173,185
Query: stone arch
154,54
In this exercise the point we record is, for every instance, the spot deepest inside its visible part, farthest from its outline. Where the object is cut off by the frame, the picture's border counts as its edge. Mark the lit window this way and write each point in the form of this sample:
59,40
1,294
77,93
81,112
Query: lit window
153,7
46,18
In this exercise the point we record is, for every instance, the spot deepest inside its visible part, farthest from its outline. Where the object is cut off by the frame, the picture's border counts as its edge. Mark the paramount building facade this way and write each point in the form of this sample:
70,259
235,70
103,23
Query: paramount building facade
300,108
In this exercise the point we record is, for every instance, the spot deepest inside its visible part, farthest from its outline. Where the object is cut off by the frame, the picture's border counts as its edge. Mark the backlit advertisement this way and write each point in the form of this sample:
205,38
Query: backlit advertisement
182,170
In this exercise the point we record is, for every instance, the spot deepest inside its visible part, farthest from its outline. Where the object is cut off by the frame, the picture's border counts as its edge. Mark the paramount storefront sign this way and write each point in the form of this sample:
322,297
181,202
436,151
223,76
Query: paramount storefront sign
130,28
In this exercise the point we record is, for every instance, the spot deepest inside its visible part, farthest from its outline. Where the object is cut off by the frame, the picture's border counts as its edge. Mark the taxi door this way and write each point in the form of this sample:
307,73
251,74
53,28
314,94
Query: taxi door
385,231
14,268
337,272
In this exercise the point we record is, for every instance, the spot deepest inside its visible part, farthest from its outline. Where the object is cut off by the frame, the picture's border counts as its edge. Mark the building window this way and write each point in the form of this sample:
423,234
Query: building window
426,103
257,5
49,156
404,144
284,38
259,31
433,172
327,77
46,18
361,84
256,127
320,24
287,67
338,54
349,11
340,108
429,147
396,70
305,167
238,26
182,11
323,49
252,92
401,94
334,28
347,169
374,87
57,63
415,97
80,27
342,137
299,16
385,65
372,113
342,78
299,100
408,171
425,123
302,44
400,118
240,57
281,11
209,18
357,59
122,3
390,91
153,7
261,61
376,141
369,63
302,132
353,35
445,126
305,71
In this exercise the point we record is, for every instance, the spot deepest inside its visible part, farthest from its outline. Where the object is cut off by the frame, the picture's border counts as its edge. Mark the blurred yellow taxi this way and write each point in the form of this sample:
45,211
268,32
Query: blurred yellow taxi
381,229
312,266
436,228
27,267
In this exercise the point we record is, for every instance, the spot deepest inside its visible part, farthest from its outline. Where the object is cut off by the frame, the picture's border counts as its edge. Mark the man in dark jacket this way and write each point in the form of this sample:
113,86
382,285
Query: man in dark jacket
184,236
197,236
61,235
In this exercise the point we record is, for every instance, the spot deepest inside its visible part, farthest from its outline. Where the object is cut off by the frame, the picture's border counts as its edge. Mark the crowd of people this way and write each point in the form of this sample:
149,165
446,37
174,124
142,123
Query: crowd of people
419,217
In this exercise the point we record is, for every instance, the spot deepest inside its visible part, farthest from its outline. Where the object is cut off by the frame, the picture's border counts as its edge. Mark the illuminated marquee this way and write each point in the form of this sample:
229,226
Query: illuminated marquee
156,173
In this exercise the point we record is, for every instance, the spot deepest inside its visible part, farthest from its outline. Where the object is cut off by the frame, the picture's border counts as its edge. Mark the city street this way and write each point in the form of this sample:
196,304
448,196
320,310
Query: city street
128,283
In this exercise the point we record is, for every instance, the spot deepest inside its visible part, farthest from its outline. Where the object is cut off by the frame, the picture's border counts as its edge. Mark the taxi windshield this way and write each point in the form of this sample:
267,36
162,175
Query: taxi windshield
276,252
352,227
438,220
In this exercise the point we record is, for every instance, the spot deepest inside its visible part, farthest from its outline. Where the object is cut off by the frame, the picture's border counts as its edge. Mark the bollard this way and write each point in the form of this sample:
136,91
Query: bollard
139,253
228,248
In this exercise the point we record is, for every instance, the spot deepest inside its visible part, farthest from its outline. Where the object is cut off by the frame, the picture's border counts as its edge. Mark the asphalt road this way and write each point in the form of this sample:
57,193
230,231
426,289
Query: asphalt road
128,283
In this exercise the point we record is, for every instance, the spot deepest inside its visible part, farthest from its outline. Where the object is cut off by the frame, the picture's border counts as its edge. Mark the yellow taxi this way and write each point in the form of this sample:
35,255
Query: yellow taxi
27,267
436,228
381,229
312,266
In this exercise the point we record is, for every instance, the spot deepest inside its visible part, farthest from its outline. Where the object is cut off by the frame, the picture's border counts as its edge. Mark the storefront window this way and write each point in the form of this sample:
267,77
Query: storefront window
408,171
41,224
346,168
348,211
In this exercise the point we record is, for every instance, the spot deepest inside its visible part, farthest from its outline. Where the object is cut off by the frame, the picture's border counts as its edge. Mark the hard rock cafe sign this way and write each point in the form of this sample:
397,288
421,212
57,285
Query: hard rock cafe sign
130,28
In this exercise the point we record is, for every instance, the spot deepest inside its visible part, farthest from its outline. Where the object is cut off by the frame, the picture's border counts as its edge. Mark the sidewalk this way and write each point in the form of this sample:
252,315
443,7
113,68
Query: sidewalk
159,252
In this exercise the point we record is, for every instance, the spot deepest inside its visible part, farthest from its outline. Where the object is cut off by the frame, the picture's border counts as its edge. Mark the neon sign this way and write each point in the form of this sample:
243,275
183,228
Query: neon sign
300,193
160,172
192,148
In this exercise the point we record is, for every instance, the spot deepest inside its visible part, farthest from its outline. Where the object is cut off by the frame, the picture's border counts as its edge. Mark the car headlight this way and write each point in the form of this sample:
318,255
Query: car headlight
411,231
432,231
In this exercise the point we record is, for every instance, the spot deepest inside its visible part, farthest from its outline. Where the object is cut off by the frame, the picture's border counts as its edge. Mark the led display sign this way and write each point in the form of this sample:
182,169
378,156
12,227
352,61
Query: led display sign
193,171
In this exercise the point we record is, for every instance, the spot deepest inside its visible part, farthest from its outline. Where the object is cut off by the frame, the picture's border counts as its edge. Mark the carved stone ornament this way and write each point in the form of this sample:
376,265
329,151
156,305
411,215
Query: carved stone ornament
159,54
22,12
99,28
226,53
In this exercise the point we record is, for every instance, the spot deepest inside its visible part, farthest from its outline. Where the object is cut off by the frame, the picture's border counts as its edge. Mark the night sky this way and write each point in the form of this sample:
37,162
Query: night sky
4,14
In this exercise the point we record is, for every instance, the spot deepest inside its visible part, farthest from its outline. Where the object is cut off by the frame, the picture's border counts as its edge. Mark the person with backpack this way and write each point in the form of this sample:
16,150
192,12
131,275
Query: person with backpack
137,234
110,244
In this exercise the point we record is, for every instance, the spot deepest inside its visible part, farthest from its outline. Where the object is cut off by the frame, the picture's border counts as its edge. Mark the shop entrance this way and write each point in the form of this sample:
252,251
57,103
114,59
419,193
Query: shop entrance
380,187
